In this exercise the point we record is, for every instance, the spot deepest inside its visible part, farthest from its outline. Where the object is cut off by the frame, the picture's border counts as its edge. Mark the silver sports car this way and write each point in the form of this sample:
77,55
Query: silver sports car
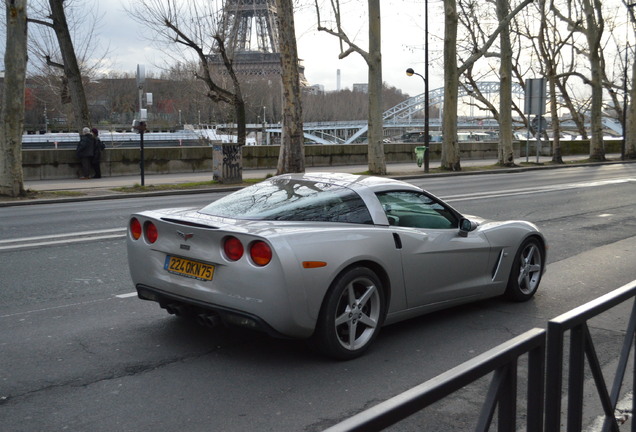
330,258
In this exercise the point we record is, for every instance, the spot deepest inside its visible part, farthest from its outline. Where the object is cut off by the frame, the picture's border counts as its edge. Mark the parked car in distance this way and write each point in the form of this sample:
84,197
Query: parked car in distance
330,258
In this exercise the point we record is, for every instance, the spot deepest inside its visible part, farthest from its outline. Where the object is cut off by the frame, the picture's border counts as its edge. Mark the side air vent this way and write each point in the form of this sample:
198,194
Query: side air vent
397,240
495,269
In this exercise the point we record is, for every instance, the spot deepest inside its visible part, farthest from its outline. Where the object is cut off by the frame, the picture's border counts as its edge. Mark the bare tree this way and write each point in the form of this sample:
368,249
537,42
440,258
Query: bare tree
72,78
373,58
15,59
630,138
506,153
198,29
292,153
549,47
470,17
450,146
452,72
586,17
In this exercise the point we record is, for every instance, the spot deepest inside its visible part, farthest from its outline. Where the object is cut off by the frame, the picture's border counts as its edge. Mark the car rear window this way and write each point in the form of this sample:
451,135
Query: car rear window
293,200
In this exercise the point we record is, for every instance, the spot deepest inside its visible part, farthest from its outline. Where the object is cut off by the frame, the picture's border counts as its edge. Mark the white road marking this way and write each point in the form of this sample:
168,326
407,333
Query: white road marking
54,308
534,190
56,236
57,239
28,312
116,233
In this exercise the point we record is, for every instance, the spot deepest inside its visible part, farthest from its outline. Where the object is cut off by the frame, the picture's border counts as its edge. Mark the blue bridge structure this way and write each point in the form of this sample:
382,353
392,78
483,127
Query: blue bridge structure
401,117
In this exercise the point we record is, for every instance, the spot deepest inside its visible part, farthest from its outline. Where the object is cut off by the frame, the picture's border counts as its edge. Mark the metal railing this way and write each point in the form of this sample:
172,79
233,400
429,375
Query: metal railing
545,371
501,361
581,347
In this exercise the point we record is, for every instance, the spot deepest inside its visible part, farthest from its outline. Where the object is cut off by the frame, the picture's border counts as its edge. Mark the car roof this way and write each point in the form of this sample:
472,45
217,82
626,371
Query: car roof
354,181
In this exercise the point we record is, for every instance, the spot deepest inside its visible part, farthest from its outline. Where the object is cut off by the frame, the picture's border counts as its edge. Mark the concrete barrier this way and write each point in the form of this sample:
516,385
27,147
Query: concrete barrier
62,163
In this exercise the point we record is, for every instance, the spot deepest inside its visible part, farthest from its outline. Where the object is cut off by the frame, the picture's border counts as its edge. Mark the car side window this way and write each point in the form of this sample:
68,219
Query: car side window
416,210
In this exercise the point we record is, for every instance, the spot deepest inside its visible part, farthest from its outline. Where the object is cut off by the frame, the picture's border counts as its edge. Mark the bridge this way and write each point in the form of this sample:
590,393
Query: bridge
401,117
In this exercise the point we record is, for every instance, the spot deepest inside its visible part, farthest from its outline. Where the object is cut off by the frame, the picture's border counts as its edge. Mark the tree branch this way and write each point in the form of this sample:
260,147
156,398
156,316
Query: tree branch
340,34
41,22
502,24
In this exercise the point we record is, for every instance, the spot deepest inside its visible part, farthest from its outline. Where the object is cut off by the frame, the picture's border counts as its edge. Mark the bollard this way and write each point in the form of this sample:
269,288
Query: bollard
227,163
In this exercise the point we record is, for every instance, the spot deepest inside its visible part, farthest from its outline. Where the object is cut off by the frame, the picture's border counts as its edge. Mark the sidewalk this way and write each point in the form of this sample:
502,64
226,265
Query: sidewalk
393,170
71,190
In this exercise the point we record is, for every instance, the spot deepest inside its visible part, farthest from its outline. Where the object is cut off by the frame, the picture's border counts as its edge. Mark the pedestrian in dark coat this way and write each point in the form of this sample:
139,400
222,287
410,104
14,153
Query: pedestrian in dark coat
98,147
85,152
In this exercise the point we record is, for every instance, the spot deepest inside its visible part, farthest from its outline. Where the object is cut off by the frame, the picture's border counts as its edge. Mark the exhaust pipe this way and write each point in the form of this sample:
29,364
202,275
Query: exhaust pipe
176,309
208,320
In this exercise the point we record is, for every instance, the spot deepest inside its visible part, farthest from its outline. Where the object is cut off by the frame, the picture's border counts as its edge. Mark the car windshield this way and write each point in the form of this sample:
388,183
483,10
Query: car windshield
292,200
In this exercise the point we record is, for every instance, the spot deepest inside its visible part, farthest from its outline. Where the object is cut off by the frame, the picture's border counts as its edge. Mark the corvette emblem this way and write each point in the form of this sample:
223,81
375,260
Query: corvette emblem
185,236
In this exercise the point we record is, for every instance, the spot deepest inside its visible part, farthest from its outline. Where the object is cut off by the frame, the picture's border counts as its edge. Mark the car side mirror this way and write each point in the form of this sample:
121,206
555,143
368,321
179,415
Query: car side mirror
465,226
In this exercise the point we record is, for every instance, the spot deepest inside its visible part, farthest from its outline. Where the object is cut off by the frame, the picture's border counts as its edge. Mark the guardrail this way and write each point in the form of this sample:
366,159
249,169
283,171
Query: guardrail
581,347
502,394
545,351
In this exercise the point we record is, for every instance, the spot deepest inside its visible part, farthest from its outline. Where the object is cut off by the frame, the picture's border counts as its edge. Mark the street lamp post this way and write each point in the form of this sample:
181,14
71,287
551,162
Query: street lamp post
141,125
411,72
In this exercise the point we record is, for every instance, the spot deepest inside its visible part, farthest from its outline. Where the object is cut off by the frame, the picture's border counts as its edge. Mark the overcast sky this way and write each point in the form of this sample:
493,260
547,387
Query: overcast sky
402,44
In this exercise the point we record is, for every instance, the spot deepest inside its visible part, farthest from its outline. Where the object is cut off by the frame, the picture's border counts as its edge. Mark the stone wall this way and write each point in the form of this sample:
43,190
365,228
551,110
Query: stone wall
62,163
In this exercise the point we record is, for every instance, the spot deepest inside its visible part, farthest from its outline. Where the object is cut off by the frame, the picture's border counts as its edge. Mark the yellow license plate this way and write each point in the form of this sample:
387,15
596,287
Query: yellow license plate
189,268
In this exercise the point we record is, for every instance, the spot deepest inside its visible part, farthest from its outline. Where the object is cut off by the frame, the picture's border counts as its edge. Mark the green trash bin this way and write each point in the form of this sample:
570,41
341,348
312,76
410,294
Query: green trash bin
419,154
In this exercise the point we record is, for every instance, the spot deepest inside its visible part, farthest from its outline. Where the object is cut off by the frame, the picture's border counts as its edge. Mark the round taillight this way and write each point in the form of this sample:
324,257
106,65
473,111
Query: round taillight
233,248
261,253
151,232
135,228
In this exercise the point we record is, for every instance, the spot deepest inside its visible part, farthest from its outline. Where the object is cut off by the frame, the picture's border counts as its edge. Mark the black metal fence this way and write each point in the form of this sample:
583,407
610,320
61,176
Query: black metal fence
546,364
582,347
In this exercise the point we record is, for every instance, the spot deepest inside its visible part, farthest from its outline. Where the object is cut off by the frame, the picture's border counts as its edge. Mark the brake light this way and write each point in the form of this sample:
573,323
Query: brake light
261,253
135,228
233,248
151,232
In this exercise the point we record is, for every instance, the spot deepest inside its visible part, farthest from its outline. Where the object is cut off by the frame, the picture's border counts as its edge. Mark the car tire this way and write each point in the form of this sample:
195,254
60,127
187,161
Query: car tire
526,272
351,315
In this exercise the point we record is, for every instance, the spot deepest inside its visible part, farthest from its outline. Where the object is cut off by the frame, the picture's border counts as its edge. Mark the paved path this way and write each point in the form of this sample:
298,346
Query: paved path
394,170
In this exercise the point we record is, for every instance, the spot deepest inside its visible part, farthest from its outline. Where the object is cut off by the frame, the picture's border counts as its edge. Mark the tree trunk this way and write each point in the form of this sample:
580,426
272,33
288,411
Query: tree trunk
15,59
630,140
593,33
506,152
292,152
71,67
239,112
557,154
450,146
377,162
577,117
547,51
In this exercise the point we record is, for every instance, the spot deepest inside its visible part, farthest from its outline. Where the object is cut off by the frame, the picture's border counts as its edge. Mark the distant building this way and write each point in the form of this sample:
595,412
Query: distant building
315,89
361,87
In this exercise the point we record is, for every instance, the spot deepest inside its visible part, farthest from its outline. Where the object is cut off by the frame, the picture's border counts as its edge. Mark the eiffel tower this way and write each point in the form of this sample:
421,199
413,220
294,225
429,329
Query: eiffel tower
252,39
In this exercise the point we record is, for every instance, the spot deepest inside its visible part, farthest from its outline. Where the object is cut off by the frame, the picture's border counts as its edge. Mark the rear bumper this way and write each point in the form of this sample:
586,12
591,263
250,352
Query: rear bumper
179,305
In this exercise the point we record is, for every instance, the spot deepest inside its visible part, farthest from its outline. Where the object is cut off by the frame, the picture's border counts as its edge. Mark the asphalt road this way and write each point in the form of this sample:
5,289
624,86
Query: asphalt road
78,352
